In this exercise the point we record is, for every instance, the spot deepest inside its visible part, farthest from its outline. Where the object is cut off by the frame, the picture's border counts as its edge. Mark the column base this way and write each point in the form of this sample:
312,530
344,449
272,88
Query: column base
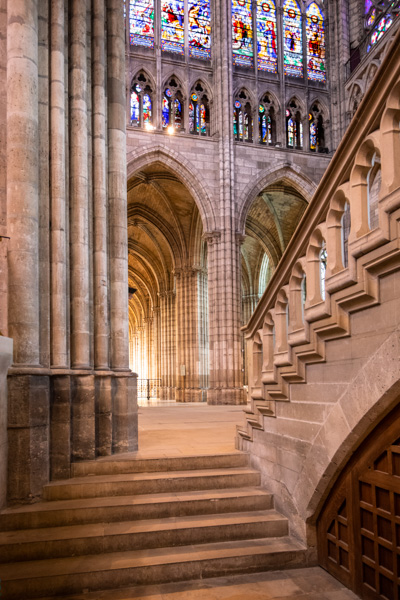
59,418
226,396
189,395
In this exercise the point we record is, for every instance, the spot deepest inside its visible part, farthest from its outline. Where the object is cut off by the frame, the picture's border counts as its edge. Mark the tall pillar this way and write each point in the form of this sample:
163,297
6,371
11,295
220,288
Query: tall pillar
79,233
118,218
100,260
23,180
224,254
188,359
58,334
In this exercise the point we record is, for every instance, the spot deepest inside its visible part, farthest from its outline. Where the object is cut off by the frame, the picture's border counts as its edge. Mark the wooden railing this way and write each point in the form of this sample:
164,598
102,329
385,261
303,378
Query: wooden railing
301,309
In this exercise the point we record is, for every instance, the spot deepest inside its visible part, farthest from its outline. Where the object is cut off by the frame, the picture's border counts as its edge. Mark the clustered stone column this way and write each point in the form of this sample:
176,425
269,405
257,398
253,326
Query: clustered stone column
71,393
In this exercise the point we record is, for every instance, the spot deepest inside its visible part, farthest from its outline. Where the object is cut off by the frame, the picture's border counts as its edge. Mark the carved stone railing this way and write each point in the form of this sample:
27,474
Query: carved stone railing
298,314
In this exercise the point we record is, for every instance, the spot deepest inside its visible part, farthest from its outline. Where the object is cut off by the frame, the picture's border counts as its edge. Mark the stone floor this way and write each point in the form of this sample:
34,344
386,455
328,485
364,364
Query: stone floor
296,584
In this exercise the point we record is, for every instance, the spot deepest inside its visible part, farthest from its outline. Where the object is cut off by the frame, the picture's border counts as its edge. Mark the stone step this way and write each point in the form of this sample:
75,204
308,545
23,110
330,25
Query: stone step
151,483
61,542
129,508
63,576
135,464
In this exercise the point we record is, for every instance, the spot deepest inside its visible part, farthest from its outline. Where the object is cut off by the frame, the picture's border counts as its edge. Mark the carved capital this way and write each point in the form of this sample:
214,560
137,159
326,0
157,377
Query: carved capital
212,237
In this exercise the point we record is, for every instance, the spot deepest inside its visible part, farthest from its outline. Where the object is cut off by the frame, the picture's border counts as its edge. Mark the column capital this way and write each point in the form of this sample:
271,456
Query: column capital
239,238
212,237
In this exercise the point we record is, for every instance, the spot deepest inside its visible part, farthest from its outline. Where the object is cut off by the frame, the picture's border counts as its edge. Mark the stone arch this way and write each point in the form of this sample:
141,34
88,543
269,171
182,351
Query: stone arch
286,174
182,169
366,400
146,73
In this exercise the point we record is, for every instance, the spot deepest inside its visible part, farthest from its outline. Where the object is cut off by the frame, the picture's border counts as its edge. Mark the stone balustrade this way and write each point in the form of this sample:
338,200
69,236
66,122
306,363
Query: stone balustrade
323,340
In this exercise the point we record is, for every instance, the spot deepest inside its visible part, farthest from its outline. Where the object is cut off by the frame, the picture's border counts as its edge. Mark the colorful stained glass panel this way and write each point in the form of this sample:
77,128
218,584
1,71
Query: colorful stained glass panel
315,32
141,20
172,26
135,108
146,110
165,112
199,28
266,36
293,54
242,33
368,4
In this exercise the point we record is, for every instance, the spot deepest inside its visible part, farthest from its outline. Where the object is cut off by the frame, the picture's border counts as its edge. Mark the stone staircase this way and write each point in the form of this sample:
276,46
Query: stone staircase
129,522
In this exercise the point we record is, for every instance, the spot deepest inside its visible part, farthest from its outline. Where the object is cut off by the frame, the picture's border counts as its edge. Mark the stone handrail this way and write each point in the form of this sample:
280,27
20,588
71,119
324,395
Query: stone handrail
287,332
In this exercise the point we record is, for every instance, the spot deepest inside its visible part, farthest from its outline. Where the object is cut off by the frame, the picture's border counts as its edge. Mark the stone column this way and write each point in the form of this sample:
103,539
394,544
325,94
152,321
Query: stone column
58,335
23,180
224,254
118,218
188,384
79,235
101,317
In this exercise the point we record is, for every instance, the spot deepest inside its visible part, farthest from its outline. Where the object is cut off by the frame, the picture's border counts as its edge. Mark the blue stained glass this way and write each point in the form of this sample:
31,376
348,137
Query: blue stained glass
197,118
135,108
178,114
172,26
266,36
242,33
293,39
199,28
313,136
165,112
141,19
315,32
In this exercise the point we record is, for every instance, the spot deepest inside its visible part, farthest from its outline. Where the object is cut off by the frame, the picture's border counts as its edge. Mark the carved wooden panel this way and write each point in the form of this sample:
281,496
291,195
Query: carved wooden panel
359,526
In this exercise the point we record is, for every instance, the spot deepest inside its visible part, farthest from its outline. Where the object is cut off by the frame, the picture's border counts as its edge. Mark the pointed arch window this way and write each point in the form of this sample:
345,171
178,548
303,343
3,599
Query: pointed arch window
199,28
242,120
266,122
346,224
315,32
199,113
323,262
172,108
141,23
242,33
316,129
173,26
141,104
294,127
293,39
379,16
267,54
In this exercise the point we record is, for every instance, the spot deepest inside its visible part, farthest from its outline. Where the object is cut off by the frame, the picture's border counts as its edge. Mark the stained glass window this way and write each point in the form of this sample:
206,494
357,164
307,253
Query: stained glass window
313,135
368,4
379,16
242,32
172,26
141,20
290,132
294,127
293,39
177,113
381,28
198,113
165,110
266,36
135,108
266,124
199,28
146,110
315,32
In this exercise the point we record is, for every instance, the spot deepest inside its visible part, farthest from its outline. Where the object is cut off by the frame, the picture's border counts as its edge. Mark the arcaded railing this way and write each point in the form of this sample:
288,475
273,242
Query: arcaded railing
346,242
